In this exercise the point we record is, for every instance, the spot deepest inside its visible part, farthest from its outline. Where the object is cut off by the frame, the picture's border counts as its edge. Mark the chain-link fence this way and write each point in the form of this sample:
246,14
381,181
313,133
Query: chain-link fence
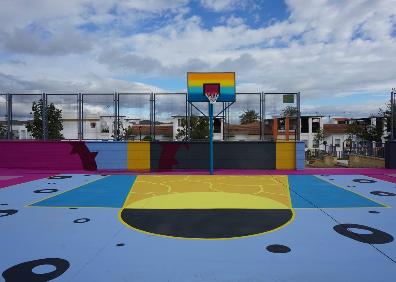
147,116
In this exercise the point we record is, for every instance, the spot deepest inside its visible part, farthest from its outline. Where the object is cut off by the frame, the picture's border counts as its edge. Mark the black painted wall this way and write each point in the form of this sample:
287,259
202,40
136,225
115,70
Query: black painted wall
390,154
227,155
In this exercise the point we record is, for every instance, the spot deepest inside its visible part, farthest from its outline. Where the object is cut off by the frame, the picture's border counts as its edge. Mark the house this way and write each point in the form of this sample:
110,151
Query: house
336,135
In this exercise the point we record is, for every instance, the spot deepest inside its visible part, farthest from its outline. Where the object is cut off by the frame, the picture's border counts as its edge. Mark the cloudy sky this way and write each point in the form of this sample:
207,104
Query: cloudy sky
341,55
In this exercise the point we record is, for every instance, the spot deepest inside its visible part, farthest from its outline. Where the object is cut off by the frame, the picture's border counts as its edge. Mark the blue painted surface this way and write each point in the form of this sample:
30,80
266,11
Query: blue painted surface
111,155
300,155
227,94
110,191
91,248
308,191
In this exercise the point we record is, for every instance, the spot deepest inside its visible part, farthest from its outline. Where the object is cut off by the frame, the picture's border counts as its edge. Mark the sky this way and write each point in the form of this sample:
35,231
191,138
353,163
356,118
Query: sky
341,55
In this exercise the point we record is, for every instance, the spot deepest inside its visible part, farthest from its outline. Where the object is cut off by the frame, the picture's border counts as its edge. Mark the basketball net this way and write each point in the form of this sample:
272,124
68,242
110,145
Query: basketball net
212,96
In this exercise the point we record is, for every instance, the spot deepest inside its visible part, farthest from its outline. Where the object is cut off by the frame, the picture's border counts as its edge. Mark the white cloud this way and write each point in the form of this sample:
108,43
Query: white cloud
222,5
324,49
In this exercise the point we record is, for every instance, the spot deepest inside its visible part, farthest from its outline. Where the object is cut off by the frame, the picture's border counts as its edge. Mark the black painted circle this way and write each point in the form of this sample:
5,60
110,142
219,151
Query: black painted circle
49,190
24,271
278,249
376,236
374,212
60,177
206,223
7,212
120,244
361,180
81,220
383,193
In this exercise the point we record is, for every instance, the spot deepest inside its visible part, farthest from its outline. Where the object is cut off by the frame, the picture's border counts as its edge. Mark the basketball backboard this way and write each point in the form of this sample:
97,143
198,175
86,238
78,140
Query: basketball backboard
198,81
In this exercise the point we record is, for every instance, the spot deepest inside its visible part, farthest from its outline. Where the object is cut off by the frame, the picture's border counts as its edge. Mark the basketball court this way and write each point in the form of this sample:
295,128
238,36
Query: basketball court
92,227
220,212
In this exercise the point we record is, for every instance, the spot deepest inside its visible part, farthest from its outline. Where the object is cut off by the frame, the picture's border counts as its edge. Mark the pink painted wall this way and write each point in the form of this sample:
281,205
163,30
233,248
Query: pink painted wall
46,155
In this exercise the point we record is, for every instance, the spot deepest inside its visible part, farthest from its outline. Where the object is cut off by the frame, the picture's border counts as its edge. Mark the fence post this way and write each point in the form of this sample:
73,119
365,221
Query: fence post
393,114
263,116
298,117
152,115
116,124
9,116
80,117
44,116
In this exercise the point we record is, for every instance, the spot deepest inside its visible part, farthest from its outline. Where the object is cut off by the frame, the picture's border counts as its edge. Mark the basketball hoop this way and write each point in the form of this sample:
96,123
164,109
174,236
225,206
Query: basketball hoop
212,97
211,91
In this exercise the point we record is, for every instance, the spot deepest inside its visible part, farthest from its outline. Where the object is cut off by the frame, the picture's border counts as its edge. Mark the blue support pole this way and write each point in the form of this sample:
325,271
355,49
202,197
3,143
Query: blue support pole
211,138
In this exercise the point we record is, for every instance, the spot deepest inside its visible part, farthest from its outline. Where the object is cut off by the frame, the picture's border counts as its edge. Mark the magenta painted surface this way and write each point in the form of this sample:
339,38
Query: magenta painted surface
22,179
384,177
45,155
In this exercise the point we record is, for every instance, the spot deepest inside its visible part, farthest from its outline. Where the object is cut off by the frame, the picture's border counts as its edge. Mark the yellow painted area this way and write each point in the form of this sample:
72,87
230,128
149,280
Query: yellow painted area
226,79
209,192
203,191
138,155
207,200
285,155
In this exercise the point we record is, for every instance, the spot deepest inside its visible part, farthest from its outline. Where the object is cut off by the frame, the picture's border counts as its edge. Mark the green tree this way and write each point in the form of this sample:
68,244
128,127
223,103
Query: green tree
199,128
125,133
386,113
319,138
249,116
290,111
54,121
3,131
363,132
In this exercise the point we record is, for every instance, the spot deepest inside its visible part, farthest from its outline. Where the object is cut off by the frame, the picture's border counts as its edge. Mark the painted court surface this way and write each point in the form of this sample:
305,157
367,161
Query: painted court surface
115,227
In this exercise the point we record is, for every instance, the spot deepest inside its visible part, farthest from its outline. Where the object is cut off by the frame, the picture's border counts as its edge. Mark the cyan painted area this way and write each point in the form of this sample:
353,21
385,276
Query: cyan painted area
110,191
308,191
111,155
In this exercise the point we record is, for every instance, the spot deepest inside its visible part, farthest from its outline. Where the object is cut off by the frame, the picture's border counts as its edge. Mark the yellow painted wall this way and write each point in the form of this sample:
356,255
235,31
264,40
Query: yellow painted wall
285,155
138,155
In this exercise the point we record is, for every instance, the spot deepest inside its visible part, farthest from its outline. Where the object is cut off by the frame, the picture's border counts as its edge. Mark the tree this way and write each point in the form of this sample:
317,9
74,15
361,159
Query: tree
369,133
3,131
386,113
249,116
290,111
199,128
54,121
319,137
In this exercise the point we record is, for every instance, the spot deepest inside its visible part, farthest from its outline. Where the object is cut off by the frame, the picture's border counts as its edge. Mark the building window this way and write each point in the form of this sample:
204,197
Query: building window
315,125
337,142
304,125
93,124
281,124
216,125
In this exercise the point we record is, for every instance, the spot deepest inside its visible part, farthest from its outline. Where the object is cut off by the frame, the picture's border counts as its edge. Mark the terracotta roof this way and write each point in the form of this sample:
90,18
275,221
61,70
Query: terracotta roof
250,129
163,129
334,128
